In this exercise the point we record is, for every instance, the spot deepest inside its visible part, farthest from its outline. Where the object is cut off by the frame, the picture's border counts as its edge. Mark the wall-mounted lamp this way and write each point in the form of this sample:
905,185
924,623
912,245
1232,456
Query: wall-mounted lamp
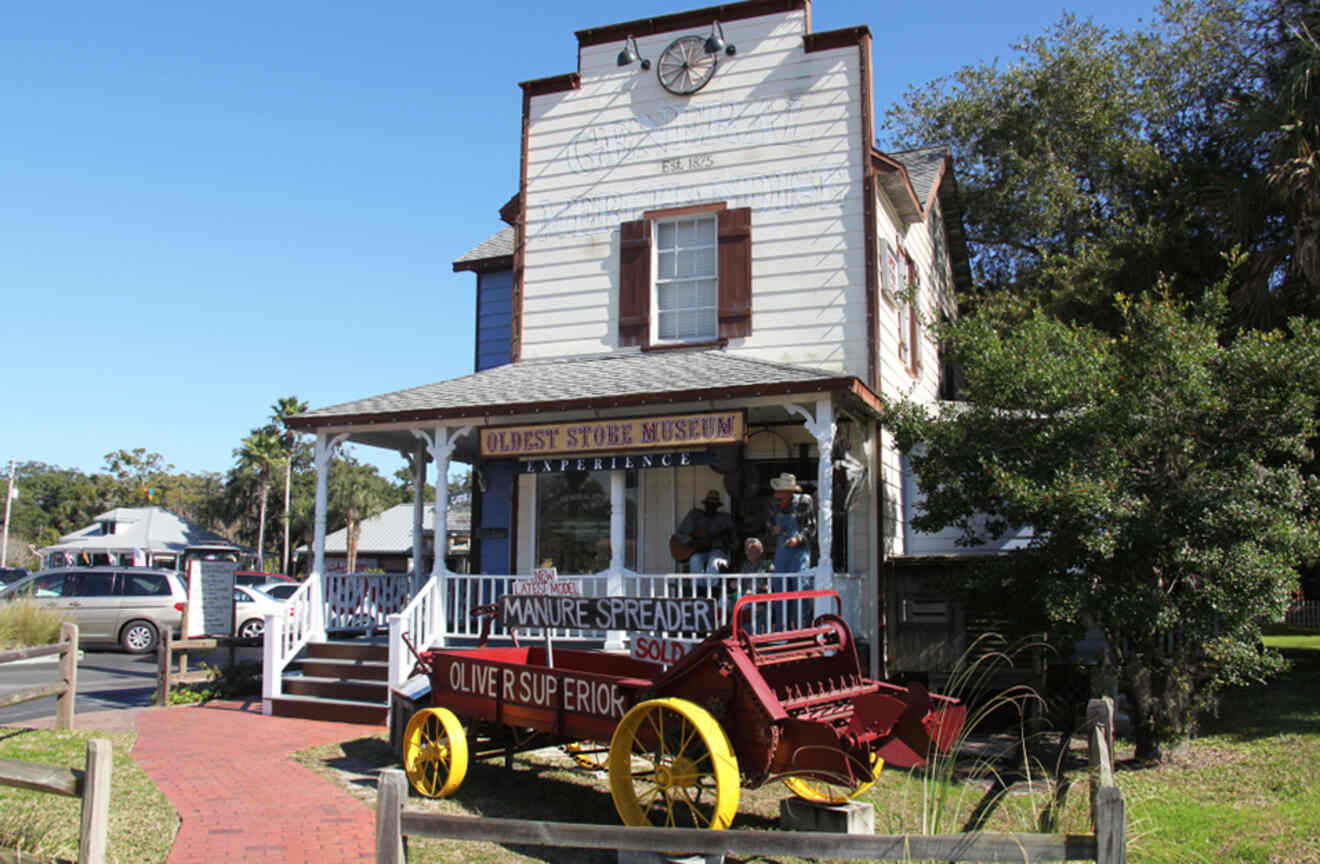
715,43
630,54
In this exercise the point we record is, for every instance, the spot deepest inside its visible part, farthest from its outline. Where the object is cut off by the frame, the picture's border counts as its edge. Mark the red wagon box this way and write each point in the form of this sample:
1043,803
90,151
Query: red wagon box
740,709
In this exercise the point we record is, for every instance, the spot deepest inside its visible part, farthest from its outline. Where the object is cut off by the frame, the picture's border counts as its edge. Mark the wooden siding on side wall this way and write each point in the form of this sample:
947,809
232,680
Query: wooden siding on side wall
494,317
776,130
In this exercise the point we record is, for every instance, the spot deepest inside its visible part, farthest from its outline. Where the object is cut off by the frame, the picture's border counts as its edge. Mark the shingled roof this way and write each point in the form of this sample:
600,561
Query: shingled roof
598,380
495,252
923,168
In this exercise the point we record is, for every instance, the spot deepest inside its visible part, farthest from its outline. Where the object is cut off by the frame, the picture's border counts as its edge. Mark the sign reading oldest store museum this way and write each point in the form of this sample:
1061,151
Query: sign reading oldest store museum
614,434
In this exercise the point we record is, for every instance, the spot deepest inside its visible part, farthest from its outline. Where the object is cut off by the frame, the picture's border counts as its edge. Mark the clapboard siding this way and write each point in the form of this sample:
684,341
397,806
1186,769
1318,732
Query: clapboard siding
494,317
776,130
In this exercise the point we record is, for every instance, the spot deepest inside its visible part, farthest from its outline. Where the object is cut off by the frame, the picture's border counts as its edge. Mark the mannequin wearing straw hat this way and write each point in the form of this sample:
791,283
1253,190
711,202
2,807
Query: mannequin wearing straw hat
794,528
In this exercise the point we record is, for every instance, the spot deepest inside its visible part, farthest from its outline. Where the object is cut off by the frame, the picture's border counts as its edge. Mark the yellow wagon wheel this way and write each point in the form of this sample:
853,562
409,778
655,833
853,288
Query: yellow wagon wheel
826,792
671,766
435,752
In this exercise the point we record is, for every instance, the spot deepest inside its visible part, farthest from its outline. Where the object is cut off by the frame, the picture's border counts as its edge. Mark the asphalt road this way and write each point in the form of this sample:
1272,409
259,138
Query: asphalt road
108,679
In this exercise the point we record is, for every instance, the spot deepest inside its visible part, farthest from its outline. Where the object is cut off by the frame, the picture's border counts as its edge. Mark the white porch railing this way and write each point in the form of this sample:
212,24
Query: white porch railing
364,601
286,636
420,621
441,612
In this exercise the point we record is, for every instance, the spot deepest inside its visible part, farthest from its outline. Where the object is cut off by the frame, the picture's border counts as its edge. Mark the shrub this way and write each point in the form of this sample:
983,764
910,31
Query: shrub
24,623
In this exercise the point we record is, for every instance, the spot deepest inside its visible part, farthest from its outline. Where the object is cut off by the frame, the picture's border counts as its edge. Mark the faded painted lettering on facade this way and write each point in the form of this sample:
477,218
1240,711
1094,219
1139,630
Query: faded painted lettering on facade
670,129
586,214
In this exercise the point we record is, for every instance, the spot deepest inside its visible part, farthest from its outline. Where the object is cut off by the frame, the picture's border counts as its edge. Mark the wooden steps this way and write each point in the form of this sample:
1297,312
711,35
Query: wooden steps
343,681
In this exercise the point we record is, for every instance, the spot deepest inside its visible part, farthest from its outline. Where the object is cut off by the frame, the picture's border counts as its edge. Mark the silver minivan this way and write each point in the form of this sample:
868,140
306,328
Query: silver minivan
131,606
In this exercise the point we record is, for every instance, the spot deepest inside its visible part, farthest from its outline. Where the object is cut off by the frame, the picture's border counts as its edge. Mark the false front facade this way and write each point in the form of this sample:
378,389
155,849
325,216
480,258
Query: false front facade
710,274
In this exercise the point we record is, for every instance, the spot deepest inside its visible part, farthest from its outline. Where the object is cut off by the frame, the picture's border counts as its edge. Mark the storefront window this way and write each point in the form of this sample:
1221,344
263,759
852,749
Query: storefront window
573,521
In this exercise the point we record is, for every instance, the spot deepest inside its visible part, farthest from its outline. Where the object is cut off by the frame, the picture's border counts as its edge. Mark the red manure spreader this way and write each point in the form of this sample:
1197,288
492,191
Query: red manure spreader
740,709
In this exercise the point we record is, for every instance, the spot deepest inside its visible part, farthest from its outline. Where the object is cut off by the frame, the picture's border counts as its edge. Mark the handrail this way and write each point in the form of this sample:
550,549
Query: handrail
419,619
287,634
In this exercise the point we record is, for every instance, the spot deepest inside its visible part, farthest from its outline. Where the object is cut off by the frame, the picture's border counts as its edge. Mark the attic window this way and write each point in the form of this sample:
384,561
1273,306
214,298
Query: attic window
107,528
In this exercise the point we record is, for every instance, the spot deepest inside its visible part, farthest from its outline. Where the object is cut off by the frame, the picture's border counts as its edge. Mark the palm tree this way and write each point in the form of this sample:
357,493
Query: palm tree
260,453
281,411
358,492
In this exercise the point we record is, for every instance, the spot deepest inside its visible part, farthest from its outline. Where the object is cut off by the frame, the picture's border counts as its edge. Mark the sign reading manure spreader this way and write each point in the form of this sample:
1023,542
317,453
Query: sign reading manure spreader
654,614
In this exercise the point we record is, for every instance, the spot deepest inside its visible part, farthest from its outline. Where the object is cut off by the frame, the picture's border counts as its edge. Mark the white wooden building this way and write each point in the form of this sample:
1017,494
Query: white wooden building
707,237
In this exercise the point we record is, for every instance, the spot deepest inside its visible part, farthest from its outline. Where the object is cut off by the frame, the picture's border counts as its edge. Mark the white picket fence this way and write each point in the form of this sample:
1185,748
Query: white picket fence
1304,615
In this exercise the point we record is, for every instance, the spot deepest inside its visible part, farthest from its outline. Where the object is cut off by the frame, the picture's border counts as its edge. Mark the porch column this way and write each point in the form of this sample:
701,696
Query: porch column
614,639
326,445
440,444
821,427
419,515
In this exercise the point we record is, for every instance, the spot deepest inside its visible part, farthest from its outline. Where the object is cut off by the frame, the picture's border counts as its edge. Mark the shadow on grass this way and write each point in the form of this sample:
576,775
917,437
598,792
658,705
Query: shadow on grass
542,786
1288,705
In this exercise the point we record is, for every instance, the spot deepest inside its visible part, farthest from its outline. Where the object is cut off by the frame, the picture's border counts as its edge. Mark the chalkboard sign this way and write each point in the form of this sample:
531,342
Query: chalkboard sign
211,586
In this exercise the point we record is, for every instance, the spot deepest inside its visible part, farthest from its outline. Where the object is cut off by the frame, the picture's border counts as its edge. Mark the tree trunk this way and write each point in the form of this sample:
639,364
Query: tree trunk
288,477
352,531
263,491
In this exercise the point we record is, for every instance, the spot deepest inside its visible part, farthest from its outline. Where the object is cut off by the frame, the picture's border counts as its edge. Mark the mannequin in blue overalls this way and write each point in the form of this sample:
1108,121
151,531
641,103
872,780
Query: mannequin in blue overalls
794,529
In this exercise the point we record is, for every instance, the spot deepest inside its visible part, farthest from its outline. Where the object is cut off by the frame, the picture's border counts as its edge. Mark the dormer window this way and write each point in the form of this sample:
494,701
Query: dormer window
107,528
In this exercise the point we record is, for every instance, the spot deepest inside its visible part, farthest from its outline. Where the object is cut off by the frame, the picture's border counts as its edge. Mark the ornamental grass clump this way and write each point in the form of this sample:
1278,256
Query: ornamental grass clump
24,623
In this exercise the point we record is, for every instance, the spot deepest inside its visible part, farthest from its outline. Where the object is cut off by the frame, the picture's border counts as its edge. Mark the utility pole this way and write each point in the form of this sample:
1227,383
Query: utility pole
9,498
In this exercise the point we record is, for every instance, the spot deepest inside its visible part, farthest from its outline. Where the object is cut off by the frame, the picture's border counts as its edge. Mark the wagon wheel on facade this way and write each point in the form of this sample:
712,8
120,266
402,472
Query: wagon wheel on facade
435,752
671,765
829,792
591,755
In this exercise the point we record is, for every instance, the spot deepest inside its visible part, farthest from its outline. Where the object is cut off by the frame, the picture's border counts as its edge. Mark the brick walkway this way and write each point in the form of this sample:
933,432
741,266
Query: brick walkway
229,772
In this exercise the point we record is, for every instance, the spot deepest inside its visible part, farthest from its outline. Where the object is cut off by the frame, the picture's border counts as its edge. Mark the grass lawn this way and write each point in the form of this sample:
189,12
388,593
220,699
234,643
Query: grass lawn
142,822
1247,789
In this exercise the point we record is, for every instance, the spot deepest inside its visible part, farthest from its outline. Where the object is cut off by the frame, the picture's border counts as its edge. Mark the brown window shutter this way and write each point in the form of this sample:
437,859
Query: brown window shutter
635,283
735,263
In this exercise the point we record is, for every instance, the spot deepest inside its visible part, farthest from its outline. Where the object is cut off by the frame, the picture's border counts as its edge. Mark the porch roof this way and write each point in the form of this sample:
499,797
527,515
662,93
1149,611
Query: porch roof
592,381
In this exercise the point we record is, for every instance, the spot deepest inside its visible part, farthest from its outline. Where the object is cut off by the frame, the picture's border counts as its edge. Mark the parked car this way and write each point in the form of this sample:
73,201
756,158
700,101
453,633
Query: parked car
251,607
129,606
10,575
280,590
258,577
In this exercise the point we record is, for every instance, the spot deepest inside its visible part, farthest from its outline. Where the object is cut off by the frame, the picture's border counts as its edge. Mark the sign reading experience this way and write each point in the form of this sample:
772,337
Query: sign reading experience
630,433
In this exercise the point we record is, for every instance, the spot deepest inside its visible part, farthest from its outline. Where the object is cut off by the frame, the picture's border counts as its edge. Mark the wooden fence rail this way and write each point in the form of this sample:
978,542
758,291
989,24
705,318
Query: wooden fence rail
167,678
92,785
394,821
67,687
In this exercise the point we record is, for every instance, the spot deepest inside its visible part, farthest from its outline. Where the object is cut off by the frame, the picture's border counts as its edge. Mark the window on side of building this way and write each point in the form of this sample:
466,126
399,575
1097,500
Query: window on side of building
685,298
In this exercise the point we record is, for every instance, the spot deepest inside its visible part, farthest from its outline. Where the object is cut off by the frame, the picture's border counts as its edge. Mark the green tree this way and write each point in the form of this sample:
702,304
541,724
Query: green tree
1278,207
356,491
1163,473
294,451
1083,164
137,474
258,456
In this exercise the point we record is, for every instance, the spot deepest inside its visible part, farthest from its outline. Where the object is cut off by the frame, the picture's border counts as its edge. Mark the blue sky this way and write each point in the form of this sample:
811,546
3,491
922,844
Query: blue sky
206,206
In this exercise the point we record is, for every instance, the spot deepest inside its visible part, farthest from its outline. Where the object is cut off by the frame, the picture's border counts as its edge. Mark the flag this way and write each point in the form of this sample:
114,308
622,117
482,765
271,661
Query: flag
139,557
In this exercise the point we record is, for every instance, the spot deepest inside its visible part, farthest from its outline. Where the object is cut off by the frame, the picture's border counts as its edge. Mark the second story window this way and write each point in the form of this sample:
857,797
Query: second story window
685,276
686,295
